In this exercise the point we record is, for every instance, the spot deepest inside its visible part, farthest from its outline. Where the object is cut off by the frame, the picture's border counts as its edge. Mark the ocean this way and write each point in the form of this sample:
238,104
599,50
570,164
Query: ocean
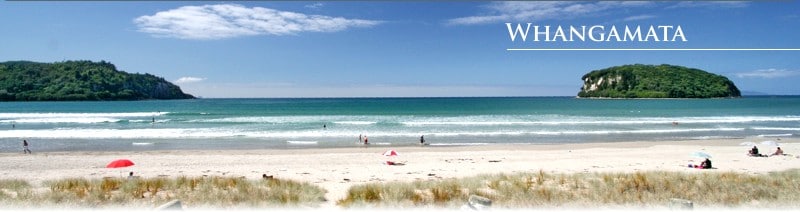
203,124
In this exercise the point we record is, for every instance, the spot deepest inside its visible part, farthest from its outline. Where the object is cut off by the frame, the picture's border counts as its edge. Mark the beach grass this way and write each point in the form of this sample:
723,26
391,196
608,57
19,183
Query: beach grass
647,189
650,189
194,192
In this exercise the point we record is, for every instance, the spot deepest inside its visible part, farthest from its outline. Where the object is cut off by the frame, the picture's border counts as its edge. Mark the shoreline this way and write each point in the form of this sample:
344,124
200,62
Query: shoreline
337,169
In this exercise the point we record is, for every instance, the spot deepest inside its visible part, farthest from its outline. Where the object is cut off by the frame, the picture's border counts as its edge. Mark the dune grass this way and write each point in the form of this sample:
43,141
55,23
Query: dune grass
652,189
196,192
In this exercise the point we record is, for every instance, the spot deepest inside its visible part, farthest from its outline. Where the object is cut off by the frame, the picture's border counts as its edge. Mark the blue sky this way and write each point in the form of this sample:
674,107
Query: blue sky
388,49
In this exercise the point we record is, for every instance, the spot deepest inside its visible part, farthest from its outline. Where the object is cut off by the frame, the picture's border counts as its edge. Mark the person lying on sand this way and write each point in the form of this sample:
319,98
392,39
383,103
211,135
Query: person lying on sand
392,163
779,151
706,164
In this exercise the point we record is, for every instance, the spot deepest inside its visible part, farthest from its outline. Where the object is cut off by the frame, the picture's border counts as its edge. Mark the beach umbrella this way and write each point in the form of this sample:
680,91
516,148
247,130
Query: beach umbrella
770,143
700,155
747,143
390,153
120,163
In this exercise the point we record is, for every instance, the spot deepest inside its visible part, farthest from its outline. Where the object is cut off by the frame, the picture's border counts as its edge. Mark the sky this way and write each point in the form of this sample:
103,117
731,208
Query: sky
253,49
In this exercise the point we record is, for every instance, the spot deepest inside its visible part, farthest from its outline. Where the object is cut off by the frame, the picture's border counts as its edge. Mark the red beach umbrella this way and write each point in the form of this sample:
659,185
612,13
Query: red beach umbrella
120,163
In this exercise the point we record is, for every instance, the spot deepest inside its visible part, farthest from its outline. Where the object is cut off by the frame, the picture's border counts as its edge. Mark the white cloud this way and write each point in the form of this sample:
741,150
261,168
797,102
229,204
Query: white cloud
315,5
543,10
559,10
639,17
189,80
710,4
220,21
768,73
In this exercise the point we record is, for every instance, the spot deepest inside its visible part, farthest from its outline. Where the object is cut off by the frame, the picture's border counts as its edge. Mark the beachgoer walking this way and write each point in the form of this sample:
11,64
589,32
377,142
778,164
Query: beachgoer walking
366,140
360,138
25,149
422,140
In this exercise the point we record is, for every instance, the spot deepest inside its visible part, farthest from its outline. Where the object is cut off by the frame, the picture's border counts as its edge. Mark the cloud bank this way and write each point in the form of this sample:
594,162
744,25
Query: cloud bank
768,73
209,22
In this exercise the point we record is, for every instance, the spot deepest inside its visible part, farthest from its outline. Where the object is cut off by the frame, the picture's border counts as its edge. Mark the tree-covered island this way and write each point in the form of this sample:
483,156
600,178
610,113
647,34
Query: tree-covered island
656,81
79,81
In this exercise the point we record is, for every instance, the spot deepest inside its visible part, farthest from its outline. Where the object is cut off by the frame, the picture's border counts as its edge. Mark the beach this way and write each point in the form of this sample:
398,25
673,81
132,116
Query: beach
336,169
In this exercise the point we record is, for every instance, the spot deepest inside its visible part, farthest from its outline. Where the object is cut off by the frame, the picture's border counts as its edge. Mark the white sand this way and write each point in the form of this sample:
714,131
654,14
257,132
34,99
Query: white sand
329,168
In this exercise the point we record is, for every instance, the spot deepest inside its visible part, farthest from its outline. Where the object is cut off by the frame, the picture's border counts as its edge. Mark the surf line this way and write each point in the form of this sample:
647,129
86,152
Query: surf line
596,33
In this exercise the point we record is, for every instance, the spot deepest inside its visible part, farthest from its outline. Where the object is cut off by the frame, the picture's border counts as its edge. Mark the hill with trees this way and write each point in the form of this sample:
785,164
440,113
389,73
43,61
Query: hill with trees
80,81
656,81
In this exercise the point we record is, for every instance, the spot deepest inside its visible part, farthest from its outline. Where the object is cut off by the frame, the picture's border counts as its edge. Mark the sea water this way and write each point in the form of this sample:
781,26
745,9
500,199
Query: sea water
338,122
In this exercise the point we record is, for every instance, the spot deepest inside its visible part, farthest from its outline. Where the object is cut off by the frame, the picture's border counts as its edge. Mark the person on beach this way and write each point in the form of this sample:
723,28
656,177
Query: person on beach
366,140
779,151
25,149
706,164
130,176
754,152
422,140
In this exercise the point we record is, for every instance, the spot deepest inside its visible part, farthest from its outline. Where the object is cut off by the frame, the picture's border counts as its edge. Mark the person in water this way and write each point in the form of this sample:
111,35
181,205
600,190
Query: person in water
422,140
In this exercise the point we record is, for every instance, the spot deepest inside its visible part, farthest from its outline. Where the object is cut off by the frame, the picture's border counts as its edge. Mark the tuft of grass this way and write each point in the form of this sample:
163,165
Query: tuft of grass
544,190
12,190
14,184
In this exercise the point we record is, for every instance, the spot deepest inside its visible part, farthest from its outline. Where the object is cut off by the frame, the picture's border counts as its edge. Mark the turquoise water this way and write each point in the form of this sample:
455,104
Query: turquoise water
298,123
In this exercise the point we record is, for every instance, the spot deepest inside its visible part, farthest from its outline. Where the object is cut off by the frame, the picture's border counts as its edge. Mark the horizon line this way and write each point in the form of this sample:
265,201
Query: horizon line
645,49
433,97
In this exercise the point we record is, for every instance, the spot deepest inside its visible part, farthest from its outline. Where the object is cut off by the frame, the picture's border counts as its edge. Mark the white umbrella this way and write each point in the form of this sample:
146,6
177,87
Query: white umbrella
390,153
770,143
700,155
748,143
